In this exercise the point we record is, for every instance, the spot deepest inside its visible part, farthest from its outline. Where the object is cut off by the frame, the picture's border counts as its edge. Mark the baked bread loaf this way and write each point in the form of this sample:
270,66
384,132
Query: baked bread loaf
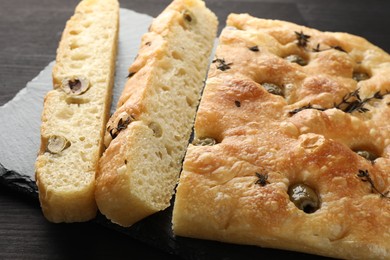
292,143
76,111
147,136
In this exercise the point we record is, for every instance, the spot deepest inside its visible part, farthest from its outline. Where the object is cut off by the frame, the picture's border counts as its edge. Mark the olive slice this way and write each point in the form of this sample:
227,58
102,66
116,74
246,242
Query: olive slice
294,58
359,76
57,144
273,89
207,141
304,197
75,85
119,124
367,155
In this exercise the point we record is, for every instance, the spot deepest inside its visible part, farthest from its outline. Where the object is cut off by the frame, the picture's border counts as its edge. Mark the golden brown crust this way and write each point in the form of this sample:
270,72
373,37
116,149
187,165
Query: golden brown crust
219,196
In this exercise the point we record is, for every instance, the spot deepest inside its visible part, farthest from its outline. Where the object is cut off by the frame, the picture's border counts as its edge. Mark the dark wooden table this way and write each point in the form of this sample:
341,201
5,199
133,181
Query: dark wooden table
29,35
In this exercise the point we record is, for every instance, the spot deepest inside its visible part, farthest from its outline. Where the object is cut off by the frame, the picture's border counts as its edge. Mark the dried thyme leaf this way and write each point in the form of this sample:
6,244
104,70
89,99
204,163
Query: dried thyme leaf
365,177
262,179
309,106
351,102
221,64
338,48
302,38
317,48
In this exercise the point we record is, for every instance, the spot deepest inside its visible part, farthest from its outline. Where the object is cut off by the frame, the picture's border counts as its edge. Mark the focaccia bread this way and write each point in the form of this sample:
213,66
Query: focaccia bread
147,135
76,111
292,143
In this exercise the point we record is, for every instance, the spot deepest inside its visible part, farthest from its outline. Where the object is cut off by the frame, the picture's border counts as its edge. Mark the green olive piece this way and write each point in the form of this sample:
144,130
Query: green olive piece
304,197
207,141
57,144
359,76
367,155
273,89
294,58
75,85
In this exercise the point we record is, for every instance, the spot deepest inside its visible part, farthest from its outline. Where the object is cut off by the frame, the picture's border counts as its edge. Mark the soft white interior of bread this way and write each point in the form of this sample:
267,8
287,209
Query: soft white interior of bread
88,49
152,147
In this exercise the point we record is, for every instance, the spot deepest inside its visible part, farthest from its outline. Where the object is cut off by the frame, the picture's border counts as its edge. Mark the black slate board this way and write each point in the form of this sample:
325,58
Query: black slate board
19,125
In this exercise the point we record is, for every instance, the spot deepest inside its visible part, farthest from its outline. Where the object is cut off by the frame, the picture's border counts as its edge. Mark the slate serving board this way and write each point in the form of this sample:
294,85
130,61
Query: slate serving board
19,143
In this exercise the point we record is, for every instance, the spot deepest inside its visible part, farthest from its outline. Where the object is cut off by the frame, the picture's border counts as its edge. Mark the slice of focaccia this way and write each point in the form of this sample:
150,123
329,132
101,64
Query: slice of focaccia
147,136
76,111
292,143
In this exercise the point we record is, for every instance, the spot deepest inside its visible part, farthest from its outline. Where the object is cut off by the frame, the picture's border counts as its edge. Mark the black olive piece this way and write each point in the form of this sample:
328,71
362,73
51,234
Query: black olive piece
273,89
304,197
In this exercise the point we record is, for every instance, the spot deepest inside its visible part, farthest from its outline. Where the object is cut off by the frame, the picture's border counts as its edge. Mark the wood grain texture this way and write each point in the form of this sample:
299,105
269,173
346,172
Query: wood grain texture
29,35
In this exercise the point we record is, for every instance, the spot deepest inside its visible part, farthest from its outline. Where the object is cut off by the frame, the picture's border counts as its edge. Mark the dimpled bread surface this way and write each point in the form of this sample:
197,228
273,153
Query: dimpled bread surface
252,143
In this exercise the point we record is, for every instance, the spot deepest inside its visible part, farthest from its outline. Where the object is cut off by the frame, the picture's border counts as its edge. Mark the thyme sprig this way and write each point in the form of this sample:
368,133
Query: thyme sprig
318,48
262,179
221,64
365,177
308,106
339,48
351,102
